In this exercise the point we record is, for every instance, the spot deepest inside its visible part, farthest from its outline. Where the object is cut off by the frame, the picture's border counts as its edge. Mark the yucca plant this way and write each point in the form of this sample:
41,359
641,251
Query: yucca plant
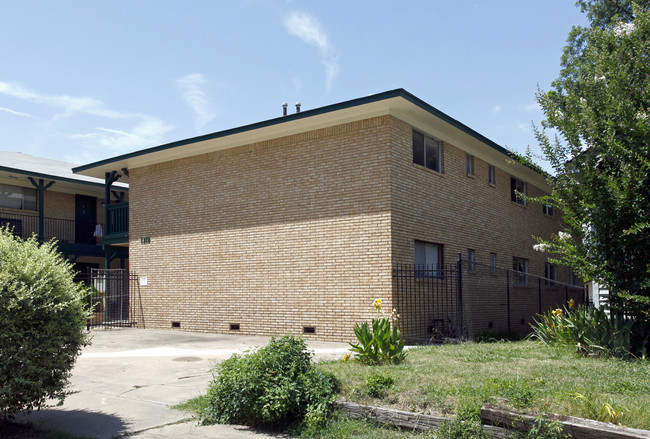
379,342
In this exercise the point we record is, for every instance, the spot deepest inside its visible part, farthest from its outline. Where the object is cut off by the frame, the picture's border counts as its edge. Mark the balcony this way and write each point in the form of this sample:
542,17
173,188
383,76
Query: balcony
74,237
117,231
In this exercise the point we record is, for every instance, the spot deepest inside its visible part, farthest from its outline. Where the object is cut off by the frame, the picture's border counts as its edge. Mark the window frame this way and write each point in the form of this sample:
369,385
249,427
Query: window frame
469,164
520,276
548,210
514,181
492,175
28,197
471,259
437,165
493,262
550,274
424,270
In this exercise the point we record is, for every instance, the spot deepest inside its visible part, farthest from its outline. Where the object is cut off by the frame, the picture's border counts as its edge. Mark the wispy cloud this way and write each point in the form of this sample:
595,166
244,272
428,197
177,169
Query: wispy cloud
141,130
14,112
308,28
534,106
192,89
496,109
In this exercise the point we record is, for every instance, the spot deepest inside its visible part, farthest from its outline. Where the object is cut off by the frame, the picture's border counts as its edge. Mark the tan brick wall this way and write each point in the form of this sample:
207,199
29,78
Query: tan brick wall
462,212
273,236
304,230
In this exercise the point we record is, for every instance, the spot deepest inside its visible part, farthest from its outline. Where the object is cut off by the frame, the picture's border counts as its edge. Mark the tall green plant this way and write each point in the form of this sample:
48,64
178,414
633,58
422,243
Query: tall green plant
379,342
42,322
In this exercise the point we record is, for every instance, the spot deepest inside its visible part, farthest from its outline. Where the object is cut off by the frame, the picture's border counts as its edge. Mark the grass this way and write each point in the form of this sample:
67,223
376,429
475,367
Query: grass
456,380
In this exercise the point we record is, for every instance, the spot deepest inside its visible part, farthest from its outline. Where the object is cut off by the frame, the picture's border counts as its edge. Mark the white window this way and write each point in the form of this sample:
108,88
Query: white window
428,259
520,266
491,174
16,197
550,273
518,191
427,151
469,164
493,262
471,259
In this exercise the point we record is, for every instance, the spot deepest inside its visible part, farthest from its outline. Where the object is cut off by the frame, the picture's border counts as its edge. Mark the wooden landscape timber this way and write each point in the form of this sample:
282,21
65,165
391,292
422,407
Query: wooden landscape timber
498,422
578,428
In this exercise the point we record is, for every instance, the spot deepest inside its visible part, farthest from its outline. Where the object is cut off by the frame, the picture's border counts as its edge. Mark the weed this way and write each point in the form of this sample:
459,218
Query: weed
378,383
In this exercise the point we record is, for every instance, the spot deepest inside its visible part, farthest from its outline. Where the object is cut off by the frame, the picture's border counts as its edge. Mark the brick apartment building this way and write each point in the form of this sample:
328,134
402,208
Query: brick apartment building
295,224
42,197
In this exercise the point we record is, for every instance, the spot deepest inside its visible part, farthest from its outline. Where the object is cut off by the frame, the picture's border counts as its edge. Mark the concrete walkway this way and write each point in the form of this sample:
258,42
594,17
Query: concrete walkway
127,380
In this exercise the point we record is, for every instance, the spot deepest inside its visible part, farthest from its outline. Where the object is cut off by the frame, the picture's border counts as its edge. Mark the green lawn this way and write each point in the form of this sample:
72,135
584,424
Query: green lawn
456,380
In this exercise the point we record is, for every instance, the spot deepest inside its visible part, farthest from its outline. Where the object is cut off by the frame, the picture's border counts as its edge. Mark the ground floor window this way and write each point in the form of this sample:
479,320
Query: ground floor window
520,266
428,259
493,262
550,273
471,259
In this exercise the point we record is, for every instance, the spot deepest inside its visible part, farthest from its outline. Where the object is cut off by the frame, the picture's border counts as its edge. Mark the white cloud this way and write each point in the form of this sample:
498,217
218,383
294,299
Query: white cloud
308,28
532,107
191,86
496,109
14,112
141,130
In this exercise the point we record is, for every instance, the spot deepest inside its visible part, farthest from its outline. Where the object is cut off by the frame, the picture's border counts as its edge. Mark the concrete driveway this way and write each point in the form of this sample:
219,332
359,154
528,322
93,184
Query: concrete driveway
127,380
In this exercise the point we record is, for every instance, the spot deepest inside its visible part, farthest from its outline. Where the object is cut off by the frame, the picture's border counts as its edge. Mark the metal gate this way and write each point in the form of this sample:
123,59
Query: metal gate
114,298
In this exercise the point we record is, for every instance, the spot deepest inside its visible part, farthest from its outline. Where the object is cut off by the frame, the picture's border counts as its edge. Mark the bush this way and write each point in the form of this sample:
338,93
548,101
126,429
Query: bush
378,383
271,387
590,331
380,344
42,321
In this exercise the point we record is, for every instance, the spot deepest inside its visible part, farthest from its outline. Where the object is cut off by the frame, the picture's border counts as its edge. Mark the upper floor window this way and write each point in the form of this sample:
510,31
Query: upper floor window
471,259
469,164
427,151
17,197
491,174
493,262
428,259
518,191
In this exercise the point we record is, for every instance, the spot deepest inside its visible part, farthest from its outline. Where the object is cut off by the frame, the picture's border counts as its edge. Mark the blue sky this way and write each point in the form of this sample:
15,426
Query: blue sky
86,80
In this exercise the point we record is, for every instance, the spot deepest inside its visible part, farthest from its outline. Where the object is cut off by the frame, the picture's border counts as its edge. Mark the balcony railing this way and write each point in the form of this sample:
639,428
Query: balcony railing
118,219
63,230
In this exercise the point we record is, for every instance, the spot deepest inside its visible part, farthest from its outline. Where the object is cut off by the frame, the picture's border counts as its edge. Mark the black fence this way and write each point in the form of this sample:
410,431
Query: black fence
114,298
63,230
471,299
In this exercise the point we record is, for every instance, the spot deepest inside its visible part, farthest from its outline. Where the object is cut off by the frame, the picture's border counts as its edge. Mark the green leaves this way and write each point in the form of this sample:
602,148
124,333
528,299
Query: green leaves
271,387
42,322
382,344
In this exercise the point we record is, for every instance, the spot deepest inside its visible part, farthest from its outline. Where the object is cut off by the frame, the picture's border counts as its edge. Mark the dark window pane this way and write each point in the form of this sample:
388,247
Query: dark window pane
418,148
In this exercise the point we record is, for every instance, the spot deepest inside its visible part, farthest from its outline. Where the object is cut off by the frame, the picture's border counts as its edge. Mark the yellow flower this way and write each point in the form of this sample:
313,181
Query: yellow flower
377,304
572,303
557,312
346,356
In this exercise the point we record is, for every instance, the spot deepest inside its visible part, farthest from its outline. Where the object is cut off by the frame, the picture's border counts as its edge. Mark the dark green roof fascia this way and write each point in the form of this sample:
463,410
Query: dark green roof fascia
57,178
400,92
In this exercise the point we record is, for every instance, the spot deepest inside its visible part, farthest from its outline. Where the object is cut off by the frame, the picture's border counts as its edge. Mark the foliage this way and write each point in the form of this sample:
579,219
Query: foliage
589,331
544,428
271,387
380,344
42,322
600,109
378,383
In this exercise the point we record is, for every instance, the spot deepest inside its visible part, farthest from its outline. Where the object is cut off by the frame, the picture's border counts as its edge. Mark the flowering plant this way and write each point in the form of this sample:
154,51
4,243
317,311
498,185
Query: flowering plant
381,341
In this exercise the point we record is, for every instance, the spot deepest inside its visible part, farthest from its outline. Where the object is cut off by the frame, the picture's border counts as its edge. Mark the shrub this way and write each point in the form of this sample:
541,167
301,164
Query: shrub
590,331
271,387
42,321
378,383
383,343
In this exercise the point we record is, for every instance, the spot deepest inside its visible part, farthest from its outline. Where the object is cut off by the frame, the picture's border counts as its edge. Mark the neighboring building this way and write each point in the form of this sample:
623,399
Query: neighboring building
295,224
42,197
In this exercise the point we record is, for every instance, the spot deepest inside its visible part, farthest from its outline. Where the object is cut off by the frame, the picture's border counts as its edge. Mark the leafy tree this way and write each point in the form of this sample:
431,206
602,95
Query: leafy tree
599,111
42,322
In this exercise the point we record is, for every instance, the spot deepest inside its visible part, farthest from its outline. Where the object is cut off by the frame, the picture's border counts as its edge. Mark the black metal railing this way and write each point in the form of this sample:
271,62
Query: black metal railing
113,297
466,300
118,218
63,230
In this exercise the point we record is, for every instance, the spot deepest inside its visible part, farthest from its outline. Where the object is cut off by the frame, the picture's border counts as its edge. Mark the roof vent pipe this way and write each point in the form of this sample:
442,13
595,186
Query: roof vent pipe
284,108
297,107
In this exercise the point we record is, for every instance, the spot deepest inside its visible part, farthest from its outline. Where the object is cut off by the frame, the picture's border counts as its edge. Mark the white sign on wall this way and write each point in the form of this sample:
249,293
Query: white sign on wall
144,281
